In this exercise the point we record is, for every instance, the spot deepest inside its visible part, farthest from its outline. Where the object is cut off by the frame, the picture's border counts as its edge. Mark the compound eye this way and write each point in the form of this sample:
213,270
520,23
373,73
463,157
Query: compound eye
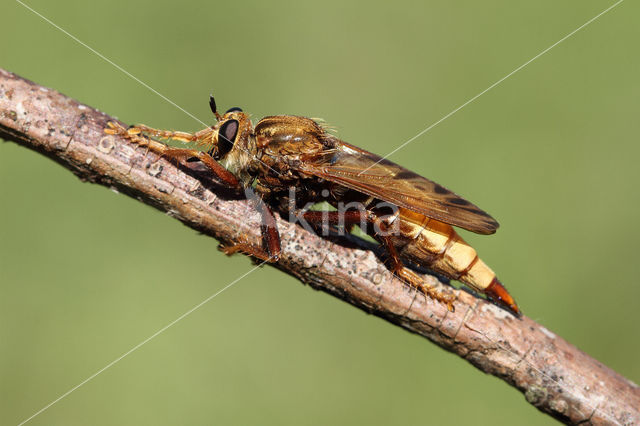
227,136
233,109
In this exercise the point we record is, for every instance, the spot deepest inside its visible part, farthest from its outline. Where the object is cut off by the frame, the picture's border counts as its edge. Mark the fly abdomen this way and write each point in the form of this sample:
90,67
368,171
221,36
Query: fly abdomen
437,246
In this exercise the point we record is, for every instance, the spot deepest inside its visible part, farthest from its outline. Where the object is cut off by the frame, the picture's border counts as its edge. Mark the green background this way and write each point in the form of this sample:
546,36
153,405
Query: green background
86,274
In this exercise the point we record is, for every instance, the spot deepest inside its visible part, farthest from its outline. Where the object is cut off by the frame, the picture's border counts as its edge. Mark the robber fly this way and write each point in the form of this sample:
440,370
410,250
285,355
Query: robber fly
287,154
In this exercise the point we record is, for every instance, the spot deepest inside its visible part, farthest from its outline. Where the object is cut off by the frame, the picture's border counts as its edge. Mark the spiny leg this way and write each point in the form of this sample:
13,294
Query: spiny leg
134,134
271,237
354,217
269,228
271,250
165,134
411,278
137,130
182,154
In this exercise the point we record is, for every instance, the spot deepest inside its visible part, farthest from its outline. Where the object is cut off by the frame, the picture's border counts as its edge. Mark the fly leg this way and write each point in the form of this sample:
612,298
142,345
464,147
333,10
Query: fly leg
130,133
352,218
407,275
134,134
270,250
321,219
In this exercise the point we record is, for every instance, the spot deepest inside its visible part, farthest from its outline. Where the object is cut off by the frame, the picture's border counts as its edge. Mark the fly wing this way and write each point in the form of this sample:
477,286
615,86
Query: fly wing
363,171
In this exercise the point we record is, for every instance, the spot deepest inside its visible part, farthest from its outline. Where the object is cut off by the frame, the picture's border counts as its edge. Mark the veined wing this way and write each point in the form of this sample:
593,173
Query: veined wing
363,171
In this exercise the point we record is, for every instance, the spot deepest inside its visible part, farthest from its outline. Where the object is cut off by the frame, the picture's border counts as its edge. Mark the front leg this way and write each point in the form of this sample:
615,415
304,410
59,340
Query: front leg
134,134
204,136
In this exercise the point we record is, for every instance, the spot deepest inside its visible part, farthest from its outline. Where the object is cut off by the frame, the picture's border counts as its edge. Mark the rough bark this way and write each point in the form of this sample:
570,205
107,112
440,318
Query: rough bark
554,375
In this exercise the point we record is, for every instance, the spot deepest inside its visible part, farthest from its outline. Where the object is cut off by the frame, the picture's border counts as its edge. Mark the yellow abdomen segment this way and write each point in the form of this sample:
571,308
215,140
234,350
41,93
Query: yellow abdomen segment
436,245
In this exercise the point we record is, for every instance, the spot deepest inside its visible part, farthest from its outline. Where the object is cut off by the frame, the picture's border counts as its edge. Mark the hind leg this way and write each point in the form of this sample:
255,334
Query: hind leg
411,278
356,217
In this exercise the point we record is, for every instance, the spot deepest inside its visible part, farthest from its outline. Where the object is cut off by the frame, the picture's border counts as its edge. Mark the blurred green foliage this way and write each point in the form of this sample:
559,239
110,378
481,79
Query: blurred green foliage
86,274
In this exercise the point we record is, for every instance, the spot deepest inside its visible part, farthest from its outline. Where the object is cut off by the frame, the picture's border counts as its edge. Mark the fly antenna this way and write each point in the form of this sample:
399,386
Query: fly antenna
214,109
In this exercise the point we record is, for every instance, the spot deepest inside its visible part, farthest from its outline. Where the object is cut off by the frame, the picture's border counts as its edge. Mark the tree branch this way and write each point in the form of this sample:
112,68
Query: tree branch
554,376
